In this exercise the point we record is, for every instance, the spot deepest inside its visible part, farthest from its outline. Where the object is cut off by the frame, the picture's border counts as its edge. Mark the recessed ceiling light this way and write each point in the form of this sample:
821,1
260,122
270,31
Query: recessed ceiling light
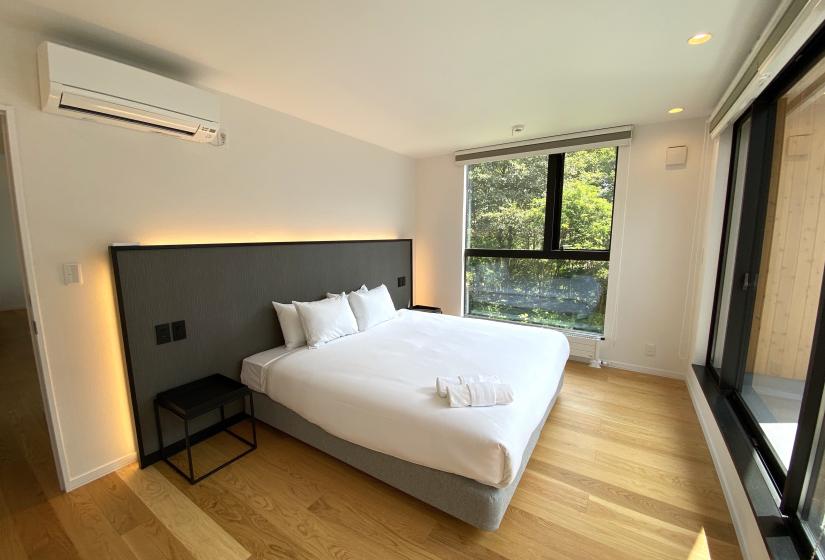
700,38
675,110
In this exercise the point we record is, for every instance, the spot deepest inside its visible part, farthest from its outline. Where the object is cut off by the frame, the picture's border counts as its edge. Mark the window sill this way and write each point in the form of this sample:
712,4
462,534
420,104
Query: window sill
570,332
779,532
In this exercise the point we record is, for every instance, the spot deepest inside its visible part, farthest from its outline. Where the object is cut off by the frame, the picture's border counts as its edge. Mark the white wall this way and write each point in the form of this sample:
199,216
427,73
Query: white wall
653,289
11,284
87,184
710,235
439,233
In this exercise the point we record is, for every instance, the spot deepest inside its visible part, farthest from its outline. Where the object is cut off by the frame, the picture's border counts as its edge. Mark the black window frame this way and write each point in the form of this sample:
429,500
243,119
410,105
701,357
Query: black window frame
551,246
787,485
551,242
724,248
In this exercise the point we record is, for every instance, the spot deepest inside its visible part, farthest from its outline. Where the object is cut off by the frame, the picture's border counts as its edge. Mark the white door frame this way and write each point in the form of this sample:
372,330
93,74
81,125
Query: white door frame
18,201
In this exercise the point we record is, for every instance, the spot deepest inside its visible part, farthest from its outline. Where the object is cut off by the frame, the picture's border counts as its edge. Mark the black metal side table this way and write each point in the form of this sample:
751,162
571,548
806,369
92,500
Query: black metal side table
426,308
195,399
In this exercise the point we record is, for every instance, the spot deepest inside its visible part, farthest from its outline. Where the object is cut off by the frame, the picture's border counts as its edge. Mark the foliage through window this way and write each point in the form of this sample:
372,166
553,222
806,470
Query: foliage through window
538,238
507,201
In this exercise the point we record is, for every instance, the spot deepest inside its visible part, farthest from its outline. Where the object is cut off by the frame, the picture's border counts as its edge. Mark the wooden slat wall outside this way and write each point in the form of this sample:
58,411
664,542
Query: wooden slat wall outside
794,249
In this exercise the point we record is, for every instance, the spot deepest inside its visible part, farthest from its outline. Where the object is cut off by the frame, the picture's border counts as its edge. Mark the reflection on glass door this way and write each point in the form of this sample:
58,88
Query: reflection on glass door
812,512
733,218
791,266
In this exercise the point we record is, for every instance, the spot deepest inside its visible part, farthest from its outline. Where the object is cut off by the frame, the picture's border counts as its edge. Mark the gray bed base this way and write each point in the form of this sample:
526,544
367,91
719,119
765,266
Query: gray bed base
472,502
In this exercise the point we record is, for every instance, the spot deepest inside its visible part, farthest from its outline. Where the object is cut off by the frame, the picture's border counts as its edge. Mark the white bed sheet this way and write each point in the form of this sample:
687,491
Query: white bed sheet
253,368
377,389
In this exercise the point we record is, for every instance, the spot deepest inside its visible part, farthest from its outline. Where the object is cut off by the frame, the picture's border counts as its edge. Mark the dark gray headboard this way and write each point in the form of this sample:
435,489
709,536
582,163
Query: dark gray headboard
224,294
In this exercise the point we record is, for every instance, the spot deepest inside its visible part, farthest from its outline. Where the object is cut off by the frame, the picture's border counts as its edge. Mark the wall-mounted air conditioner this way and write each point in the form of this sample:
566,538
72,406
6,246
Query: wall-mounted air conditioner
82,85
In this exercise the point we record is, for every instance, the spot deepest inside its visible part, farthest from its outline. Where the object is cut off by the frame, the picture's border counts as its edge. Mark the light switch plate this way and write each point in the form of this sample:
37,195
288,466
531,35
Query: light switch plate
178,330
163,334
72,273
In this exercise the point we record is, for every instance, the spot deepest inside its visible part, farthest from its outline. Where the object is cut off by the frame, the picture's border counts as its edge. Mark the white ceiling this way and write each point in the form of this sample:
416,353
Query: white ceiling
426,77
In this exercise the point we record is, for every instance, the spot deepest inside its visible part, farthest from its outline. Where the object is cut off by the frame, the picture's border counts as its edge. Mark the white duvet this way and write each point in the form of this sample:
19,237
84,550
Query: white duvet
377,389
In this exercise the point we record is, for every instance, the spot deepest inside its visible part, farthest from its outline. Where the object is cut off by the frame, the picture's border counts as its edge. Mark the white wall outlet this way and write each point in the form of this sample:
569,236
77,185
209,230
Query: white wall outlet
72,273
650,349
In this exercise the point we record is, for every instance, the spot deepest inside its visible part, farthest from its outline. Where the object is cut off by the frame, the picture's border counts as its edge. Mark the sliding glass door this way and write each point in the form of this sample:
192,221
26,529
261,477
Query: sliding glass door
791,263
767,344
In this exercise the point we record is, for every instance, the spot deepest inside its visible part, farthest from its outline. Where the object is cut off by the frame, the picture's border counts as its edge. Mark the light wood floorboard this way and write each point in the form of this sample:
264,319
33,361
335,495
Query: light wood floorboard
621,471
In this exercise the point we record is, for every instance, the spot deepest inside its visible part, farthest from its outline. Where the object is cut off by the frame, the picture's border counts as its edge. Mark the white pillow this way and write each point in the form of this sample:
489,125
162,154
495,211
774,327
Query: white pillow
373,307
290,325
361,290
326,320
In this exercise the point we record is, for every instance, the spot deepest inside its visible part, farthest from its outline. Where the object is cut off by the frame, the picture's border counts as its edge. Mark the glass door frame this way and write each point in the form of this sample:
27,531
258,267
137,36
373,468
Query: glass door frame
789,484
726,248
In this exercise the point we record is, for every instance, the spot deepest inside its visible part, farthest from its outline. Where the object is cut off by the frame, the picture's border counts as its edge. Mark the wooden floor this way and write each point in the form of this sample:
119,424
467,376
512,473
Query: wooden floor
621,471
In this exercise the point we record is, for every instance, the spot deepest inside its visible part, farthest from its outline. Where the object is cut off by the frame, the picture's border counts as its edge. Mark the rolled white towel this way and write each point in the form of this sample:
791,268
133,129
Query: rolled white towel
479,394
441,383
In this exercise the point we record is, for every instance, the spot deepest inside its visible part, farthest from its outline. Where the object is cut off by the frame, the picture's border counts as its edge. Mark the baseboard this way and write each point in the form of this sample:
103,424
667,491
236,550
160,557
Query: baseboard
112,466
99,472
744,521
644,369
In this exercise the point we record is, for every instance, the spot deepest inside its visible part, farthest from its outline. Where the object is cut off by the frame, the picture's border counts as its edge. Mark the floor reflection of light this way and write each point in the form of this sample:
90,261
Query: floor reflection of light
700,547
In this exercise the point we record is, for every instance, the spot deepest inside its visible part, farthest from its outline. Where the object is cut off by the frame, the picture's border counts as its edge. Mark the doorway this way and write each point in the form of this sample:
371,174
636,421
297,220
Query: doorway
30,468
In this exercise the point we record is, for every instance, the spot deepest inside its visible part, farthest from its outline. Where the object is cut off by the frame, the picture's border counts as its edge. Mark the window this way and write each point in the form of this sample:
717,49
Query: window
767,339
538,238
791,260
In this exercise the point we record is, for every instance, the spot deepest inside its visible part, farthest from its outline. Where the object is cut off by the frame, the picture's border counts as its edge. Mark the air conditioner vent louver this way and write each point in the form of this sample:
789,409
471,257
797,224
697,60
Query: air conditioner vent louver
128,113
124,119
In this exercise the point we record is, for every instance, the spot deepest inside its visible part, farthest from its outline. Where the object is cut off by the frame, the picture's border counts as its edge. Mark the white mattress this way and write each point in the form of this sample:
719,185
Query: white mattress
377,389
254,367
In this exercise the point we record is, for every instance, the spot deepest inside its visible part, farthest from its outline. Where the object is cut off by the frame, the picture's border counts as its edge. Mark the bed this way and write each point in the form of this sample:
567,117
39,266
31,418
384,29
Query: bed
464,462
370,401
